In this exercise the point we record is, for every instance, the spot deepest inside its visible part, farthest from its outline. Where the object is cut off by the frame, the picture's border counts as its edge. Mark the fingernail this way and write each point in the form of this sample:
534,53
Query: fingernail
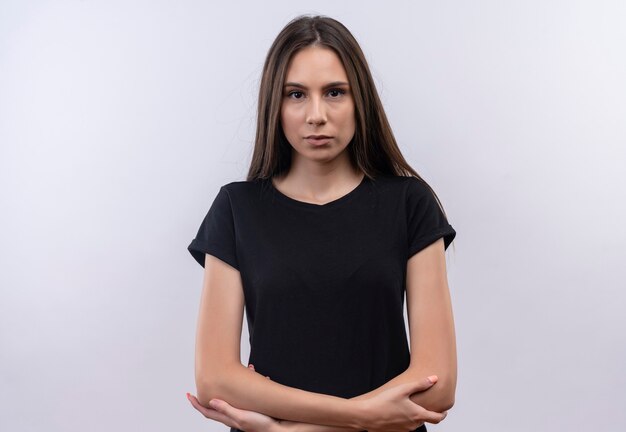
212,403
188,396
432,378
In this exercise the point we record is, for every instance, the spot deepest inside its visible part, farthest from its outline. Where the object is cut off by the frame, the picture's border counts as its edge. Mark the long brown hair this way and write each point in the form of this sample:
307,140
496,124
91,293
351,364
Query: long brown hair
373,148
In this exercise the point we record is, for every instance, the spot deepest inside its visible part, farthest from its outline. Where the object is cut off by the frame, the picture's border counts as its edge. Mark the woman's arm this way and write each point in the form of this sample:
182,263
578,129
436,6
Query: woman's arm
253,421
432,335
431,325
220,374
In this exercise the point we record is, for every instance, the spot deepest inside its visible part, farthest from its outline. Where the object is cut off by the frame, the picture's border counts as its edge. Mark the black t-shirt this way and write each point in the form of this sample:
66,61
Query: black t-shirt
324,285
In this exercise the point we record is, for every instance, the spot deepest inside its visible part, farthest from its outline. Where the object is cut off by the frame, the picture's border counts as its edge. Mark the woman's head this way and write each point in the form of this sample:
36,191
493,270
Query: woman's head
372,148
317,101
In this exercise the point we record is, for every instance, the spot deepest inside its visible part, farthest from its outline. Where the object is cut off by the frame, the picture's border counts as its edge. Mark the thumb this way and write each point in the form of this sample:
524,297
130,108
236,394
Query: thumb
228,410
222,406
418,385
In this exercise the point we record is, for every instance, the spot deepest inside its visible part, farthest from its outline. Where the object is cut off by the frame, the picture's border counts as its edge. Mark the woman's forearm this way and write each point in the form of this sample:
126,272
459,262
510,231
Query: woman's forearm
249,390
436,398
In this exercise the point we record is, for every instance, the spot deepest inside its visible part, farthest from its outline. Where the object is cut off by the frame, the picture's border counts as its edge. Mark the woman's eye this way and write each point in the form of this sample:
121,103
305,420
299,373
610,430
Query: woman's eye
294,93
334,93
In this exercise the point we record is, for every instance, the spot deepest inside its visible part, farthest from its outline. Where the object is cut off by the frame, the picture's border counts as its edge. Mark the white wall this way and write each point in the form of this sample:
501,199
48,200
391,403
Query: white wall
120,120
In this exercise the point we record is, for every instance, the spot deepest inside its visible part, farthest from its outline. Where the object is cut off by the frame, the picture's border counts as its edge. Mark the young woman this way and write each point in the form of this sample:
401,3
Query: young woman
319,245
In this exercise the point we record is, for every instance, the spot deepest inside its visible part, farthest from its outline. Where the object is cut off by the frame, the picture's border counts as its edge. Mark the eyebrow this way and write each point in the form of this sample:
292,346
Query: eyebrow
332,84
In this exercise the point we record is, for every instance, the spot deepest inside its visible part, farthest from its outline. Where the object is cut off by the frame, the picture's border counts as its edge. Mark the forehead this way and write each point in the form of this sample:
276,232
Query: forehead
315,65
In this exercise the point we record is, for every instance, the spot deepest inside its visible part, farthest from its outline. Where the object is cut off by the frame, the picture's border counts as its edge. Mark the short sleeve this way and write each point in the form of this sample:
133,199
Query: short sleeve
426,222
216,235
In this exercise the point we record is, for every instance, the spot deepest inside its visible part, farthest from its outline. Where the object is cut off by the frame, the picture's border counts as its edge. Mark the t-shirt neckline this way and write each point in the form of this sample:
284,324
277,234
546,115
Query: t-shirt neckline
306,205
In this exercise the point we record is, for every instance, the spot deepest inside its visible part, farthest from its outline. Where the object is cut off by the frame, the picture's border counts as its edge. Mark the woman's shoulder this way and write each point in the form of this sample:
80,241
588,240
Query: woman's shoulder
242,186
405,184
398,179
246,191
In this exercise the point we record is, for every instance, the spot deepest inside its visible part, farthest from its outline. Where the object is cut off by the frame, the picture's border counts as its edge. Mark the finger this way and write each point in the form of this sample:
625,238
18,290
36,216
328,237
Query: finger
433,416
204,410
418,385
251,366
212,414
196,404
227,409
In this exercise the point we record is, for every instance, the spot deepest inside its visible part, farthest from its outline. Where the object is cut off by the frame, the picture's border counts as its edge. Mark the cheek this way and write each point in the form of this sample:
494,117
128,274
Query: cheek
288,119
348,119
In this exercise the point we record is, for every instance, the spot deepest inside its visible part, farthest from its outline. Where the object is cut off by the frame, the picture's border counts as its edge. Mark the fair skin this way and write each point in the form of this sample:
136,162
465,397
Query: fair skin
311,106
319,174
252,421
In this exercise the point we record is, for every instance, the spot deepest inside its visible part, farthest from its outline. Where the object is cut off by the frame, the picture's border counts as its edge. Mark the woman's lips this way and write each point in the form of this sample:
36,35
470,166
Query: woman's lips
318,141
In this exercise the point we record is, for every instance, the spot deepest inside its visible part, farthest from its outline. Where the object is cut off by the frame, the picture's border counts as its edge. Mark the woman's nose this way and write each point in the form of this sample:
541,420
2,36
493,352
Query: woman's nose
315,111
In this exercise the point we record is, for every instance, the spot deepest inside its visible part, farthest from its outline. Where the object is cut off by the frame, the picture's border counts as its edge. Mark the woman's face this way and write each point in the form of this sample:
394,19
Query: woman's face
317,100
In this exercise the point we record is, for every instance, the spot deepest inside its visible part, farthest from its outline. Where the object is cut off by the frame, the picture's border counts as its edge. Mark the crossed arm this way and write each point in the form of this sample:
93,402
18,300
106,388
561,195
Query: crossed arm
220,374
403,419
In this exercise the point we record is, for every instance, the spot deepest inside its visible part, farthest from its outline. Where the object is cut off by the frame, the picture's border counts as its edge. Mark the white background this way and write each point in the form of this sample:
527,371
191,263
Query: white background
120,120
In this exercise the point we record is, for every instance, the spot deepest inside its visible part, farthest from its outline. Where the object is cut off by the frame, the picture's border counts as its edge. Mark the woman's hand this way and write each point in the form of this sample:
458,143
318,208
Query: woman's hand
248,421
389,411
393,411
